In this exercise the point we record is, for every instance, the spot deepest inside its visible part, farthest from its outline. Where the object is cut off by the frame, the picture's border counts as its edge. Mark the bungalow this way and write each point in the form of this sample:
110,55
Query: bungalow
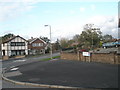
14,47
36,46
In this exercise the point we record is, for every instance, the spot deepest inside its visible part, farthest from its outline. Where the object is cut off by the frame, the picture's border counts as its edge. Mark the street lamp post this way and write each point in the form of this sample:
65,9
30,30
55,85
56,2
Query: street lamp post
50,42
92,38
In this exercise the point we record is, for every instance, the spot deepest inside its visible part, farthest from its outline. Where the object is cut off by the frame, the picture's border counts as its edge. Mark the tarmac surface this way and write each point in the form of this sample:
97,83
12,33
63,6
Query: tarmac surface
16,62
67,73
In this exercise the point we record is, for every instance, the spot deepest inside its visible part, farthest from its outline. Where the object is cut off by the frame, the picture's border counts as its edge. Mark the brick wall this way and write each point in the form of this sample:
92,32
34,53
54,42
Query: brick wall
69,56
117,59
103,57
19,56
5,57
111,58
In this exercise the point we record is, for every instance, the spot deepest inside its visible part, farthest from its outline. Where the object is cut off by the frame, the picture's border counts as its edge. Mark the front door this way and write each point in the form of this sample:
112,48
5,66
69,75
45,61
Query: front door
3,52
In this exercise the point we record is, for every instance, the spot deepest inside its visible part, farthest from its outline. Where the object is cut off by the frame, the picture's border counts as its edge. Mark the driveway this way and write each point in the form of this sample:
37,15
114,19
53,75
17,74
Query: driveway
67,73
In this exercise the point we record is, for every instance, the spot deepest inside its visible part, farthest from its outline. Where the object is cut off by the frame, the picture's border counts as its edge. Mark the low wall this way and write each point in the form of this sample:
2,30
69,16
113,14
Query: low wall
19,56
69,56
105,58
117,58
7,57
111,58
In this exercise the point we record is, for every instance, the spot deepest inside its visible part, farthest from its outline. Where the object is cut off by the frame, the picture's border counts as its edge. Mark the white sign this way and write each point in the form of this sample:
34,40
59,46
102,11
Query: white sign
86,53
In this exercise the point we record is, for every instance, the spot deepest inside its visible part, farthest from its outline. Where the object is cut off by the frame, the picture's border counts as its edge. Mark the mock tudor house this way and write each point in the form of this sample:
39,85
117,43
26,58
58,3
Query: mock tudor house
14,47
36,46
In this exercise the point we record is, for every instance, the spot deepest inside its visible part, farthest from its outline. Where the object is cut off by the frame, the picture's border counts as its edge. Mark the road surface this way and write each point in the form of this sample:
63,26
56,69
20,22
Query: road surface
16,62
67,73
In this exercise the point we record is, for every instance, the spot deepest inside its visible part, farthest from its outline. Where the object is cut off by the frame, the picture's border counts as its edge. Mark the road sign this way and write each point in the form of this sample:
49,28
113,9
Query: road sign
86,53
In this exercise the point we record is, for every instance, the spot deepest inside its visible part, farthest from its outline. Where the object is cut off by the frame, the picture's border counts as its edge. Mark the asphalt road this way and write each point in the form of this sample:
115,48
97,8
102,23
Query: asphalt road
67,73
16,62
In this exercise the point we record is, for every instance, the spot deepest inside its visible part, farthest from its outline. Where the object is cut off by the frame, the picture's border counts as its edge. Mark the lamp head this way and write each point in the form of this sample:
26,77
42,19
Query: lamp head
46,25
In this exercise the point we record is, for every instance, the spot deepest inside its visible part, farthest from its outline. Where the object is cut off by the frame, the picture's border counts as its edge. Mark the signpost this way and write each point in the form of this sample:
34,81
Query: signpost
86,54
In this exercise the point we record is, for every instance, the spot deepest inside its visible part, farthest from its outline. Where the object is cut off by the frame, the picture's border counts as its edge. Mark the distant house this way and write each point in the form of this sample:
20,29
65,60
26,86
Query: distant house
74,44
36,46
14,47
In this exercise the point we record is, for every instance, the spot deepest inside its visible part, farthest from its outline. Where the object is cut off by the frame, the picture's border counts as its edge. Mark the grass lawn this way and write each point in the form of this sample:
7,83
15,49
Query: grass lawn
47,59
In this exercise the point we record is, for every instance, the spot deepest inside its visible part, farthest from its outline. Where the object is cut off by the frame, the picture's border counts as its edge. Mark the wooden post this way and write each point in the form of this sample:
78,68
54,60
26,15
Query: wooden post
78,55
89,58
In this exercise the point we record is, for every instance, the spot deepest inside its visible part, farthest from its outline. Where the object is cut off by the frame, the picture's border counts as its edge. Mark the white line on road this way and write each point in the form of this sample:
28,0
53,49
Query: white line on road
53,59
19,61
14,69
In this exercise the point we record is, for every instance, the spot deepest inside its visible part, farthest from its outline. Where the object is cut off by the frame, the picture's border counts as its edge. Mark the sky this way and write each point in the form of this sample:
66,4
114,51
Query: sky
66,18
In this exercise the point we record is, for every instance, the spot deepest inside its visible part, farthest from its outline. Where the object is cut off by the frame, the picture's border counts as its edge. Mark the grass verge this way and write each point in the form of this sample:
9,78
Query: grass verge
47,59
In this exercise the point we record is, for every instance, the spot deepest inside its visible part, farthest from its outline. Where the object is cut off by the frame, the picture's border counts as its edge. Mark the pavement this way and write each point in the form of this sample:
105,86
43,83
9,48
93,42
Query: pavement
66,73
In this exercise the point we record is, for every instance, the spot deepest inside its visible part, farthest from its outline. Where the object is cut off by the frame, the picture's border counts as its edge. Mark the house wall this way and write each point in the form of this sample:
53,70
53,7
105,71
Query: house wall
37,49
7,46
0,54
18,39
4,46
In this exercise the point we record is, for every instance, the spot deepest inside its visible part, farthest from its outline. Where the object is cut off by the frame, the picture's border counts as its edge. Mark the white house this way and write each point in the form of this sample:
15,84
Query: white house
15,46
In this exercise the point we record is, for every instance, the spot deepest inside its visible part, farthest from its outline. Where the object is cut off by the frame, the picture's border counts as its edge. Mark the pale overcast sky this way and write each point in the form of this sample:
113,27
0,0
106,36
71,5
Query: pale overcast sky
28,17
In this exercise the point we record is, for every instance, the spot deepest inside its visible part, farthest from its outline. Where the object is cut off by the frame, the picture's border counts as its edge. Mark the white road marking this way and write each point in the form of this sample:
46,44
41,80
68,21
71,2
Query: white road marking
53,59
19,61
13,69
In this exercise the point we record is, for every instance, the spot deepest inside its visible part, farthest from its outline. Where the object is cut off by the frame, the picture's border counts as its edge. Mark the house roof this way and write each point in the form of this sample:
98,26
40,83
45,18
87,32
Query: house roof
13,38
32,40
75,43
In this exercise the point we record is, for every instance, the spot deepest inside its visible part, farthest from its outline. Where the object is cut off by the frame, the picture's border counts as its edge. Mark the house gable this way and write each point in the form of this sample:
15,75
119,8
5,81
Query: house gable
36,43
37,40
36,46
15,38
18,39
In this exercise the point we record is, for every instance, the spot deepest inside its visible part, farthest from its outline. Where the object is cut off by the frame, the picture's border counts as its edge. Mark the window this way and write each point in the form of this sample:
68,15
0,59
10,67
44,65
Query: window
17,43
12,43
17,52
37,44
41,44
34,44
3,52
